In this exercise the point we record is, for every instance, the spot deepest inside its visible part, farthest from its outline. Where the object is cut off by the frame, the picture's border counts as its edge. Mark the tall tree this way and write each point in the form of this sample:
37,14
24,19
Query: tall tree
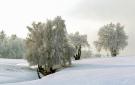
47,44
112,37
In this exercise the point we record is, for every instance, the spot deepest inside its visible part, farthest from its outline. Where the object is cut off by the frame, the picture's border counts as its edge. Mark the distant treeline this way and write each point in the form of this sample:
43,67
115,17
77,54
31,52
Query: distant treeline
11,46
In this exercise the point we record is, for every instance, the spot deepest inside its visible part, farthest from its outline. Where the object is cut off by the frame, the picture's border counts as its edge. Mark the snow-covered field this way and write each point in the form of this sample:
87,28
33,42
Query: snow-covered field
15,70
100,71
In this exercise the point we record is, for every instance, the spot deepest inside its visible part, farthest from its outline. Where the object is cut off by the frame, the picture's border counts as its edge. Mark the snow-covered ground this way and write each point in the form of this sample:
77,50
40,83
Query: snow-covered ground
100,71
15,70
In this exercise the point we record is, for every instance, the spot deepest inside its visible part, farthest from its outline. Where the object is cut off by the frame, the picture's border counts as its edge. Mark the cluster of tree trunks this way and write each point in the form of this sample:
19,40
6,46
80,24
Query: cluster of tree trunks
114,53
44,72
78,55
41,70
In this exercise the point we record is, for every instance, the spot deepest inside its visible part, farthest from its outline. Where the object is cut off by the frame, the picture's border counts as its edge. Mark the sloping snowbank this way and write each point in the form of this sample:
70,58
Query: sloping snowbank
105,71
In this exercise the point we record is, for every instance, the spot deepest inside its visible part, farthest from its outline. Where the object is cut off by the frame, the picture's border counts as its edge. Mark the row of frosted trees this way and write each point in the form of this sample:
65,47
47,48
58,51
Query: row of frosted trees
49,46
111,37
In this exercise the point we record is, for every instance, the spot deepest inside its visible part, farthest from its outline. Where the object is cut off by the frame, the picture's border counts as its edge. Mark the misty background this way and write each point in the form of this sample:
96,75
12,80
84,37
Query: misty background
85,16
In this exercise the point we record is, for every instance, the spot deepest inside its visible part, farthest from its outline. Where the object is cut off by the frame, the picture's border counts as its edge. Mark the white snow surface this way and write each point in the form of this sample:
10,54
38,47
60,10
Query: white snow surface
15,70
99,71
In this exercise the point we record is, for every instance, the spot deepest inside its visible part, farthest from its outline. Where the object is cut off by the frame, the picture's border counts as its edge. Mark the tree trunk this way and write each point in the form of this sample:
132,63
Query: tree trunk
114,53
78,55
52,70
38,72
79,52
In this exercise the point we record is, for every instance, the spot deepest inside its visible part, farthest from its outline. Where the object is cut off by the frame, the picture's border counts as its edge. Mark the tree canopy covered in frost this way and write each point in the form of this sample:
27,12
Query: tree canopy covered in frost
47,44
16,47
112,37
77,39
11,47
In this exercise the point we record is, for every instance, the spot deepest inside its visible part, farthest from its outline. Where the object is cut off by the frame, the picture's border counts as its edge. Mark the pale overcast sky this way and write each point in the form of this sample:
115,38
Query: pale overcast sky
85,16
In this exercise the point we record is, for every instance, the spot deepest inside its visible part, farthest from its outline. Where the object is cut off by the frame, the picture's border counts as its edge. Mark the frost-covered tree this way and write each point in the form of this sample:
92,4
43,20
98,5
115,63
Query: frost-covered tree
3,44
2,36
16,47
112,37
34,43
63,49
11,47
78,41
47,44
